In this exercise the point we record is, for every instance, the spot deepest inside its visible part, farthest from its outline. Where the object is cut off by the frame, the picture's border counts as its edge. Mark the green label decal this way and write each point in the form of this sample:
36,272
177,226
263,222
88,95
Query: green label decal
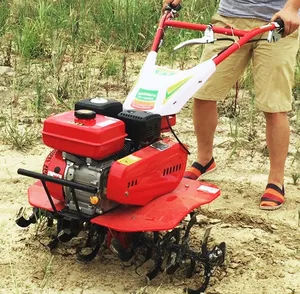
146,95
144,99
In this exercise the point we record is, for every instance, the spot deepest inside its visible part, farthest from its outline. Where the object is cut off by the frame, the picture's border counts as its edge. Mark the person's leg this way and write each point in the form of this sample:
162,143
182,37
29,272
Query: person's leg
205,114
277,136
273,69
205,118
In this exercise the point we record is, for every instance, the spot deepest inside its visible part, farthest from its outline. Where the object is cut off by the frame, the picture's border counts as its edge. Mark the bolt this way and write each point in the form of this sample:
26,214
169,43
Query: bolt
126,194
219,252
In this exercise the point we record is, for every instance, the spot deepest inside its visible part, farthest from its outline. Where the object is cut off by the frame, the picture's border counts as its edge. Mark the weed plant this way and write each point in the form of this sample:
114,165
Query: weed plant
21,137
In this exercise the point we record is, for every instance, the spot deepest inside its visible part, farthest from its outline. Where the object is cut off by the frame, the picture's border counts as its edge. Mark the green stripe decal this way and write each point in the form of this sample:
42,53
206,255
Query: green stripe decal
171,90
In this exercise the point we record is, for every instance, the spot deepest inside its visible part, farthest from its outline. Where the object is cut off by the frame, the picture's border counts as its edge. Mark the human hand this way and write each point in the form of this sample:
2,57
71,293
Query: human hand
290,17
169,2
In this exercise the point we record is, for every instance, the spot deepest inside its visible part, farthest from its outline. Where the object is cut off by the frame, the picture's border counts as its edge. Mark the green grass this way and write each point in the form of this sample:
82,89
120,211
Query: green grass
127,24
4,14
67,50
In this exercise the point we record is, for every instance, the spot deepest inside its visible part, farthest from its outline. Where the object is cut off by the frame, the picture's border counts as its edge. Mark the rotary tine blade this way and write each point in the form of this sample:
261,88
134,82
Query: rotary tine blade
155,271
172,260
65,235
190,270
222,247
125,254
186,236
22,222
204,242
50,222
199,290
173,264
210,260
147,256
68,230
53,243
202,288
177,258
217,255
87,258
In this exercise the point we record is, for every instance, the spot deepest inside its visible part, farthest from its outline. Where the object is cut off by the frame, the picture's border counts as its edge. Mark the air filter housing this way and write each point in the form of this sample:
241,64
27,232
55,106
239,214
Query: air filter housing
141,126
107,107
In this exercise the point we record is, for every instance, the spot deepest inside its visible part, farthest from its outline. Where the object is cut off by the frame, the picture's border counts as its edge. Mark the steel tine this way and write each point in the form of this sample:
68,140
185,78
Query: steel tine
22,222
123,253
205,241
89,257
156,269
53,243
191,269
192,221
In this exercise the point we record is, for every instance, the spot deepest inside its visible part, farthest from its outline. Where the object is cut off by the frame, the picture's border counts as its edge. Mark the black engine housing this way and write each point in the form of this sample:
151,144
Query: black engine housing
141,126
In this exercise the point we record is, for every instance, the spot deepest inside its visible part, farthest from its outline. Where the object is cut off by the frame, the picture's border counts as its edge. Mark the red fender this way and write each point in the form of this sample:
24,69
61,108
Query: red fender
162,213
37,197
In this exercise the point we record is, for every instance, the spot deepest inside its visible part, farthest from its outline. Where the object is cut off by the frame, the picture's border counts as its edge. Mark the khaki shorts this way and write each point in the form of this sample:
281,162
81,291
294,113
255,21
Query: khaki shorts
273,66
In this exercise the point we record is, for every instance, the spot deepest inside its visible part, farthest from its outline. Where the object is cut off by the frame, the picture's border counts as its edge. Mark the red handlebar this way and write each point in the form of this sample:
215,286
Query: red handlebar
244,36
160,31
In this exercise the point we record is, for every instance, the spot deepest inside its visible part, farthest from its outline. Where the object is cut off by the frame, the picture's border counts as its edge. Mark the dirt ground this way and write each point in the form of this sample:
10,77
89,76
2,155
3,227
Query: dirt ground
263,248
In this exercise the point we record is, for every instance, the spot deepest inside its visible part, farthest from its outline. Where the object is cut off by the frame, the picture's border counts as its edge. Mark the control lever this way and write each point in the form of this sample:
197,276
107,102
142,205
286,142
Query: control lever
206,39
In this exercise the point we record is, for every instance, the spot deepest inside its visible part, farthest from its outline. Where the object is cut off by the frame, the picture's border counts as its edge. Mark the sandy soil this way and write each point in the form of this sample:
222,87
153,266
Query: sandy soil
263,247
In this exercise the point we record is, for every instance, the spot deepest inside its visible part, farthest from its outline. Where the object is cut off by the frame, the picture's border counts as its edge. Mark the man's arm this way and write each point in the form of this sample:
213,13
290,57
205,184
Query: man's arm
290,16
294,4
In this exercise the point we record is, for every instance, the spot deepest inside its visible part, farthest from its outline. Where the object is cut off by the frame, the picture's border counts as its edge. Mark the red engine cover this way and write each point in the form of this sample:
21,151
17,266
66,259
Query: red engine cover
96,138
146,174
55,166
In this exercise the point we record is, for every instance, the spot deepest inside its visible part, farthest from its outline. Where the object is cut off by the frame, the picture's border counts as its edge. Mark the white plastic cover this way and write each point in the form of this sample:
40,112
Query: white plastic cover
165,91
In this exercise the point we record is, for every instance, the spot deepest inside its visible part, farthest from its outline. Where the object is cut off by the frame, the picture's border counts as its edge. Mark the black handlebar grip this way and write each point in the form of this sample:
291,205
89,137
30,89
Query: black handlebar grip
280,23
172,7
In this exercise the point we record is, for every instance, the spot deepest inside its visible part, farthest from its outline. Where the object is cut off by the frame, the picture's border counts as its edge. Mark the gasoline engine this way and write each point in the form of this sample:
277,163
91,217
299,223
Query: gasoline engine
95,140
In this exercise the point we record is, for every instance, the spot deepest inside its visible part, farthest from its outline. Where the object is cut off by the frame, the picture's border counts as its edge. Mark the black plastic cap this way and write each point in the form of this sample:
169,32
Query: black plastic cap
85,114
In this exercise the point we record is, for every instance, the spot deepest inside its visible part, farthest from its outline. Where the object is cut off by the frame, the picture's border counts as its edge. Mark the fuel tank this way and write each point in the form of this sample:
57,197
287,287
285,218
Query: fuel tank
84,133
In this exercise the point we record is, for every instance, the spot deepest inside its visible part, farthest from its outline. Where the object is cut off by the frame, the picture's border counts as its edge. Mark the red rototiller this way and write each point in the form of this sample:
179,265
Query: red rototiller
114,174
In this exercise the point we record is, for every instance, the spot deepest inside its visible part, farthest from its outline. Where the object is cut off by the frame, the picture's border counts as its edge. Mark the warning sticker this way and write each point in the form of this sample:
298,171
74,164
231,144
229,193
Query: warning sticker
208,189
130,159
161,146
54,174
106,123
